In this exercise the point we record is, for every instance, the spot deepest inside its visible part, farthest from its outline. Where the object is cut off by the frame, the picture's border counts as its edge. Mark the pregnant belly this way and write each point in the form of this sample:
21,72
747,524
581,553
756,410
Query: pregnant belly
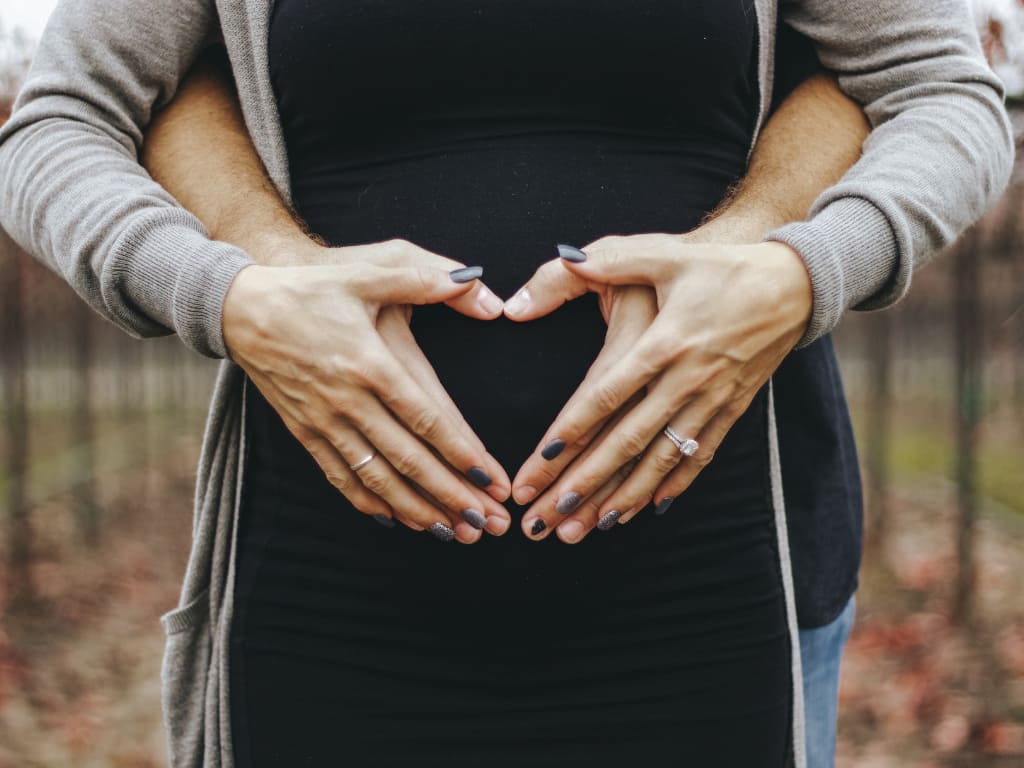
511,379
504,205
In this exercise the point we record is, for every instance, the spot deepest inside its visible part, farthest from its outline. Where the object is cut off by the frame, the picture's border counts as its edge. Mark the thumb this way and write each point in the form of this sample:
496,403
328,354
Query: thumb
616,261
551,286
413,284
478,302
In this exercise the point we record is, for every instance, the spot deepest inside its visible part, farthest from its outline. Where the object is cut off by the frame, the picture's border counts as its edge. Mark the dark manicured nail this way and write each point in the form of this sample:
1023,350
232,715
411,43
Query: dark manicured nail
569,253
609,519
478,477
663,505
568,502
442,531
474,518
384,520
538,526
552,449
465,274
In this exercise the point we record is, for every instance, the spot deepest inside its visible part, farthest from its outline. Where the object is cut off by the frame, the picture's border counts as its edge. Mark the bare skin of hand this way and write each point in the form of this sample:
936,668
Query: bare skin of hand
714,321
328,345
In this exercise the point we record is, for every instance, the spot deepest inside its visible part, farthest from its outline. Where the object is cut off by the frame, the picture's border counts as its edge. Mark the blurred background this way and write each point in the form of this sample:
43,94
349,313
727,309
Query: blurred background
99,439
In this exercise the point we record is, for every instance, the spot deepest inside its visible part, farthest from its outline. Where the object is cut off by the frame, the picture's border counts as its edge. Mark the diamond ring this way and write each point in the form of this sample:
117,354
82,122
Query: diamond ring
687,446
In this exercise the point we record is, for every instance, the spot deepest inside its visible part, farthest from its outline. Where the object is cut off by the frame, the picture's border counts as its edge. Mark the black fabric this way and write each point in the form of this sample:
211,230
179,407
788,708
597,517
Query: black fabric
821,482
795,61
489,132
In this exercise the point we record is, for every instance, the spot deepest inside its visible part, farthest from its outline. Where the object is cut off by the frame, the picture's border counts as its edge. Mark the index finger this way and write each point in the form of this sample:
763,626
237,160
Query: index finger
406,398
413,359
600,396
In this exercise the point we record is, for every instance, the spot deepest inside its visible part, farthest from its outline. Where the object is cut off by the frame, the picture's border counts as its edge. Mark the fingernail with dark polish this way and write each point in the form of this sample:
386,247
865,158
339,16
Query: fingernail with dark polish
465,274
478,477
384,520
569,253
442,531
538,526
663,505
609,519
474,518
552,449
568,502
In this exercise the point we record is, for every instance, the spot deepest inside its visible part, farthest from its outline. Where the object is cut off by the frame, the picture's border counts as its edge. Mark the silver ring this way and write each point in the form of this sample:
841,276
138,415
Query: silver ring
687,446
363,461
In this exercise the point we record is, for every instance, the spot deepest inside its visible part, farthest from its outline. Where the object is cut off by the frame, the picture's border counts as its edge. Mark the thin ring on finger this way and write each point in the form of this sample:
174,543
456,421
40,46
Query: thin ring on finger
363,461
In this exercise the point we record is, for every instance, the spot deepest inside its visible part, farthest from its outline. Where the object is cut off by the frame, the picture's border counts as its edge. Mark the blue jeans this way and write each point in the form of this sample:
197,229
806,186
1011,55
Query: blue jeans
820,652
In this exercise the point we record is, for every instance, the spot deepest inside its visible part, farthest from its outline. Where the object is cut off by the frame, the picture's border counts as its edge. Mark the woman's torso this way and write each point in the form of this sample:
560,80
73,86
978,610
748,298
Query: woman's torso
489,132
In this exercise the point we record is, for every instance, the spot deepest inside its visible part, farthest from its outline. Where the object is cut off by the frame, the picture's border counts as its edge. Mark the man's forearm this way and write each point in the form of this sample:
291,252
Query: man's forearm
198,148
810,141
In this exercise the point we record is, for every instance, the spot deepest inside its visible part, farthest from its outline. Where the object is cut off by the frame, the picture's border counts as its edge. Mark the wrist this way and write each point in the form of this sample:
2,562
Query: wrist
241,297
788,274
282,248
737,225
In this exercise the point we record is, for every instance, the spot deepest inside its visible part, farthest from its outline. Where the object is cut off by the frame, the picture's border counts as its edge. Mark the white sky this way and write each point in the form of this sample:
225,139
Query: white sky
30,15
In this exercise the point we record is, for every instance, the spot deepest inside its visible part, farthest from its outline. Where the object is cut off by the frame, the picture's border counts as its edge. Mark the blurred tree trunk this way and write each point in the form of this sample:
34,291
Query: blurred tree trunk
879,356
83,428
12,353
966,274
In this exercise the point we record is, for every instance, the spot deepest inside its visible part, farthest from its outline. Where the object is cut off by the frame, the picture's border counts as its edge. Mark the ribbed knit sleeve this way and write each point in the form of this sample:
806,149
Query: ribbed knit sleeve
940,152
72,192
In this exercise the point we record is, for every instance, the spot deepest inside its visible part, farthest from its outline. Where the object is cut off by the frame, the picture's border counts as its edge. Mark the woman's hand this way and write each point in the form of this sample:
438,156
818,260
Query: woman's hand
727,316
310,338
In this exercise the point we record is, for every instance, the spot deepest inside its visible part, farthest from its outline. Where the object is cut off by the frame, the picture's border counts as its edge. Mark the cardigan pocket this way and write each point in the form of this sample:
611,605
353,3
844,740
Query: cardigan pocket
183,674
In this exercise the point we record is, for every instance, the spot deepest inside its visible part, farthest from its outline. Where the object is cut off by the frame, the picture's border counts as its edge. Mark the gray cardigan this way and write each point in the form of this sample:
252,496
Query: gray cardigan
73,194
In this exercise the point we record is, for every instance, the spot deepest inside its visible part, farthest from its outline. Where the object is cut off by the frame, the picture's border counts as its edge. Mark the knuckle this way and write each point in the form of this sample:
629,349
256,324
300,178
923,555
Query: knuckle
362,501
398,244
734,410
553,273
336,435
547,473
302,433
407,464
587,511
339,400
427,424
425,278
664,462
339,479
450,501
606,396
703,458
365,370
375,482
631,444
657,353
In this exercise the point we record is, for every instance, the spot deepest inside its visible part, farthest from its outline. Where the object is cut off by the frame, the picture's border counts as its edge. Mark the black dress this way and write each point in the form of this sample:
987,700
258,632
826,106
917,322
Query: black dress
490,131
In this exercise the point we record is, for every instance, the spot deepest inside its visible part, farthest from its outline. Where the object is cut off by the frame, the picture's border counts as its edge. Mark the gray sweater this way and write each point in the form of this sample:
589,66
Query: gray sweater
73,194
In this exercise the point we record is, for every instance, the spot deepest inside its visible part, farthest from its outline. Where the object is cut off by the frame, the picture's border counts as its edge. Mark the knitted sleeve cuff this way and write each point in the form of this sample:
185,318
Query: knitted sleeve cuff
174,273
852,256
